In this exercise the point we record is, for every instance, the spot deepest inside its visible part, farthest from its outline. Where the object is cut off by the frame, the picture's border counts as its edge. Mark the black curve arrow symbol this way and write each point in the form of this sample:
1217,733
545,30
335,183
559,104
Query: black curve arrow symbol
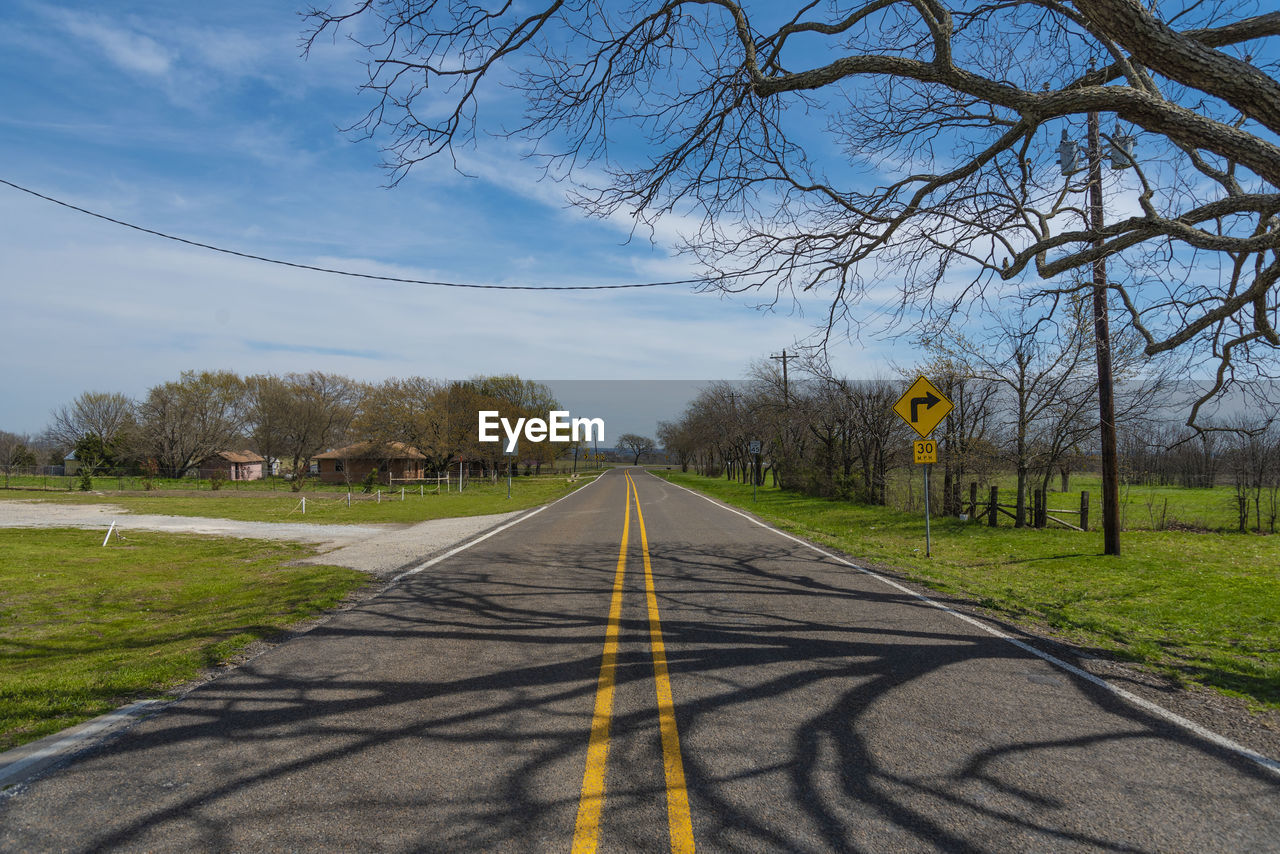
928,400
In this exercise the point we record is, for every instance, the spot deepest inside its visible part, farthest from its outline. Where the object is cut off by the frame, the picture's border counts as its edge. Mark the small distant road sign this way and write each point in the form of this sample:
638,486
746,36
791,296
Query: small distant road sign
923,407
755,446
926,451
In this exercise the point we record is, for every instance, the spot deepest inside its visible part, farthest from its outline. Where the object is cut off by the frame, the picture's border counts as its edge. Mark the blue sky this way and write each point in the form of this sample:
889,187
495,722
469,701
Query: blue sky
203,120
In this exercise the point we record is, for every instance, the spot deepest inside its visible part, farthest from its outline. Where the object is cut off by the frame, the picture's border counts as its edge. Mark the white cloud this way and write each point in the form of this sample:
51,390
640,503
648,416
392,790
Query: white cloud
124,46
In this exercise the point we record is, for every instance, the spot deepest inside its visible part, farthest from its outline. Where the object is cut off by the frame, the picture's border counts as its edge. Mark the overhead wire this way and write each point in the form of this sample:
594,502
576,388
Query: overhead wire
350,273
879,310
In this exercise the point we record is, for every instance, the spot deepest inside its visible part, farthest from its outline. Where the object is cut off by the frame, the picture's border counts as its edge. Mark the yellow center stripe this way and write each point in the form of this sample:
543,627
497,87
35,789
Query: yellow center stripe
678,819
586,835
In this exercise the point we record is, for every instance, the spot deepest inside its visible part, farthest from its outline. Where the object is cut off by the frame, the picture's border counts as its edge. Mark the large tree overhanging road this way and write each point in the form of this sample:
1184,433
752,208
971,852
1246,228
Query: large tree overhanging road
635,668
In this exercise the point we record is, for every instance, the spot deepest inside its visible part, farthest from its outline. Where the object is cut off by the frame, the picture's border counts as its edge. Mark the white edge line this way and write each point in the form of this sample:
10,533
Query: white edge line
1155,709
441,557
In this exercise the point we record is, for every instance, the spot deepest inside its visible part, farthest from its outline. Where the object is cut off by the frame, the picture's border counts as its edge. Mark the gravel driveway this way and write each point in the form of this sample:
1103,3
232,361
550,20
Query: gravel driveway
380,550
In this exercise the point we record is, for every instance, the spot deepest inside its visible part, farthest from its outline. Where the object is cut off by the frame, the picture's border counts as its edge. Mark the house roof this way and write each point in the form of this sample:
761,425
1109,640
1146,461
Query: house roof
238,456
373,451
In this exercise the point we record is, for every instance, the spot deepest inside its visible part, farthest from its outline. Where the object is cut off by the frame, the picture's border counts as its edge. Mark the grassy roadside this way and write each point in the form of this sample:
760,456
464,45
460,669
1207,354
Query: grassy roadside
84,629
327,507
1201,607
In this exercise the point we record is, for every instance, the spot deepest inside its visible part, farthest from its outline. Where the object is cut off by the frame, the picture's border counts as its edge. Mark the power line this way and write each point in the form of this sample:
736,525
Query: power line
349,273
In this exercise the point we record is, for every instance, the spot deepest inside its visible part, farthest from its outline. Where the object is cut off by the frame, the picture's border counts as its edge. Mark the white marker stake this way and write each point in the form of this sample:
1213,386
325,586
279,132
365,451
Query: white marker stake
304,506
109,530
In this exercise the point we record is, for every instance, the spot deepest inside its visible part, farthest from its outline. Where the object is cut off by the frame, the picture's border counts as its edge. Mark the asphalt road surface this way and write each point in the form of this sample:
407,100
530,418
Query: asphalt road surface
593,679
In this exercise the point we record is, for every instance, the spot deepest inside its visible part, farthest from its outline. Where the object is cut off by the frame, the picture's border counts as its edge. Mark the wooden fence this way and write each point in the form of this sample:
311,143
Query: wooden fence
1039,515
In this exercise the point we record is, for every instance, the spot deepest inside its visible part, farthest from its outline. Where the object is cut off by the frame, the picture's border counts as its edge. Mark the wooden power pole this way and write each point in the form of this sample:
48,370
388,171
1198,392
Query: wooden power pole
786,389
1102,342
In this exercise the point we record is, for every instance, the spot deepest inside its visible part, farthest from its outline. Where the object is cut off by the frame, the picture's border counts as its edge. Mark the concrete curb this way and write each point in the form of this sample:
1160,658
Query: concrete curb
22,763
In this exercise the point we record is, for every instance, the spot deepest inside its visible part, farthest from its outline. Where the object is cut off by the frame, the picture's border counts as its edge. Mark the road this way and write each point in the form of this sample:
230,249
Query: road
638,669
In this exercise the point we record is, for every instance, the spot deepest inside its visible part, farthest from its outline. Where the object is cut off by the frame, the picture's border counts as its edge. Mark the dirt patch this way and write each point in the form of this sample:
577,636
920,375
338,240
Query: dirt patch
380,550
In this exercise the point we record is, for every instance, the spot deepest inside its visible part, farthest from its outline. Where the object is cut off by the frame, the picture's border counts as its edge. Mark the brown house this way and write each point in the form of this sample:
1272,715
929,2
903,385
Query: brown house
234,465
352,464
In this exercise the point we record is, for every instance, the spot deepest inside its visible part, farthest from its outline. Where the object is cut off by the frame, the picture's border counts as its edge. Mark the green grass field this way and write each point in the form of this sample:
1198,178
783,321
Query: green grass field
1201,607
327,506
84,629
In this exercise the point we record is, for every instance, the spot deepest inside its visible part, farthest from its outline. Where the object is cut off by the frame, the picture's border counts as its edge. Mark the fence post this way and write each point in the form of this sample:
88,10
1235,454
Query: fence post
973,499
995,498
1042,509
1084,510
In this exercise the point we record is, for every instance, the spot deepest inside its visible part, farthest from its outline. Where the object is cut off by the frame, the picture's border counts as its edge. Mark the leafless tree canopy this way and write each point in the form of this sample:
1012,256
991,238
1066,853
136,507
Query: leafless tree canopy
829,147
105,416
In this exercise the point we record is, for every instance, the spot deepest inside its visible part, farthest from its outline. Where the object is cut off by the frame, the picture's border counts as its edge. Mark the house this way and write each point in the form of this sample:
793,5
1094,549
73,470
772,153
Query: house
70,465
352,464
234,465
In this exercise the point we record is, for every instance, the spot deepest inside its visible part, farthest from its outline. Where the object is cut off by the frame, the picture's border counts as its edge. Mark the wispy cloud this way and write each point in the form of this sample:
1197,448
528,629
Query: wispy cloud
126,47
277,347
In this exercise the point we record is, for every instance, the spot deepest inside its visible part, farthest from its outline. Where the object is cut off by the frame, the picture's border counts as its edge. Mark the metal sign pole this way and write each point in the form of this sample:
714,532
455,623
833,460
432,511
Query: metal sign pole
511,461
928,545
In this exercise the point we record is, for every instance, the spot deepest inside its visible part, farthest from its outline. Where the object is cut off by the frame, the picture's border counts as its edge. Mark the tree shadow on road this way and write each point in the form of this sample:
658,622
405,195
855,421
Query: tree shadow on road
819,710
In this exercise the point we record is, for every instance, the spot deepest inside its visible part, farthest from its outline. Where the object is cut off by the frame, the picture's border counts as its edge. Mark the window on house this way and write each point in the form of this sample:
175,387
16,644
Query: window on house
337,465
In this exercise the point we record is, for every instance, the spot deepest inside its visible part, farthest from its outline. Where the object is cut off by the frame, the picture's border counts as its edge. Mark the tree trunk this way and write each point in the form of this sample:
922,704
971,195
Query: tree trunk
1020,514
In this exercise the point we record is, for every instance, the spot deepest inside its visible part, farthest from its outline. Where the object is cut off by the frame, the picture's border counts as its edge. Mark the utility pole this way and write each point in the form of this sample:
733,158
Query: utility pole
786,393
786,405
1102,342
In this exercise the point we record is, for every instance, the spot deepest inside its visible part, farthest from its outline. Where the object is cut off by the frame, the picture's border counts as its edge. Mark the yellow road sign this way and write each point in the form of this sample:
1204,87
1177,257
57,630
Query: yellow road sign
923,407
926,451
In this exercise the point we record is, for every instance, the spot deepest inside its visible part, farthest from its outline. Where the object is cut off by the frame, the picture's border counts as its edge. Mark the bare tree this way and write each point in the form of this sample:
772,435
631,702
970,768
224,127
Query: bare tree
1253,458
322,407
105,416
15,450
677,438
185,421
966,446
635,445
411,411
1042,369
957,105
268,399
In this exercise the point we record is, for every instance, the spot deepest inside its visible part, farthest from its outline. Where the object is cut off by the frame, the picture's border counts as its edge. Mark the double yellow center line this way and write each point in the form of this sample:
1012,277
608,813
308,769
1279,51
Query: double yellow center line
586,835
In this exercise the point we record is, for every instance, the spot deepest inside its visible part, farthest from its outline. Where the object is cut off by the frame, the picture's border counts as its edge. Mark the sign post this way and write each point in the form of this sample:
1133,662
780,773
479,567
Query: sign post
923,407
755,465
510,455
